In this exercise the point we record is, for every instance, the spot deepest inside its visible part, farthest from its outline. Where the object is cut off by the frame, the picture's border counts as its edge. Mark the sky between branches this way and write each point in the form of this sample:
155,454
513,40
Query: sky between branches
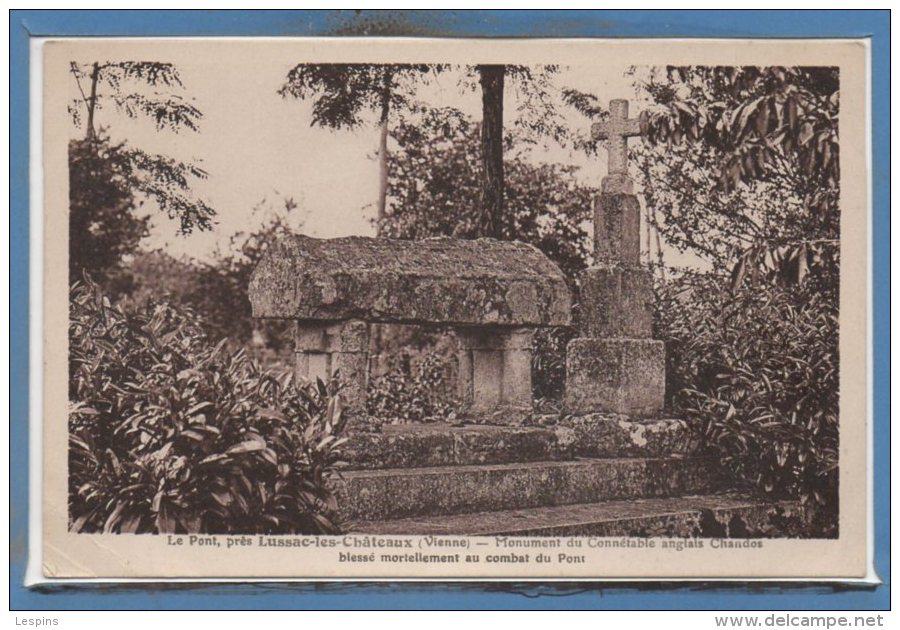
258,146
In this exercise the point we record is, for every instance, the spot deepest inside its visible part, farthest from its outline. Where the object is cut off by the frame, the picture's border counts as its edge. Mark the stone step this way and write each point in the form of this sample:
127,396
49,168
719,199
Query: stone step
595,435
715,516
400,493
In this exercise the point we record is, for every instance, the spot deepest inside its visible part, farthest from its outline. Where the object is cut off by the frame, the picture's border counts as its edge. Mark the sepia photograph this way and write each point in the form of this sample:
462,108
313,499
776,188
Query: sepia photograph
449,309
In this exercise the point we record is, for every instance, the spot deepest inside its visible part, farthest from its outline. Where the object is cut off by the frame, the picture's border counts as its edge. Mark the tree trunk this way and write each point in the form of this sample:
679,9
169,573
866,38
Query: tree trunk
383,151
491,219
92,101
377,332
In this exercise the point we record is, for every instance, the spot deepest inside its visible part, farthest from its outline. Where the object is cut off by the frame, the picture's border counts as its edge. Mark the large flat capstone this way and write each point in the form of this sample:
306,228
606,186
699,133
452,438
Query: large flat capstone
435,281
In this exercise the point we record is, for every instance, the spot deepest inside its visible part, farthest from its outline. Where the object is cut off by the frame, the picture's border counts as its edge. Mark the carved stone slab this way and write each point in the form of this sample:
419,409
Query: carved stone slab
481,282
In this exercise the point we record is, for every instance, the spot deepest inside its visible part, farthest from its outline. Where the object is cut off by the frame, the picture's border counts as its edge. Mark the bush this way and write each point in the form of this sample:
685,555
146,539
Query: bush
217,289
104,216
169,433
210,291
413,391
757,369
548,364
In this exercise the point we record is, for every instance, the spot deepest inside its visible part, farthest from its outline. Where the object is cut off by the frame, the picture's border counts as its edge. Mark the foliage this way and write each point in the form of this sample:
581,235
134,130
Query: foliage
168,182
106,177
743,165
773,122
540,106
185,283
757,370
413,391
217,290
170,434
105,83
103,224
125,84
343,93
435,190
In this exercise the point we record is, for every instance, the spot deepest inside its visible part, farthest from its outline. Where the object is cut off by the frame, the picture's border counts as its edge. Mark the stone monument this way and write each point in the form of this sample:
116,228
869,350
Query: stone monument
492,294
615,365
611,465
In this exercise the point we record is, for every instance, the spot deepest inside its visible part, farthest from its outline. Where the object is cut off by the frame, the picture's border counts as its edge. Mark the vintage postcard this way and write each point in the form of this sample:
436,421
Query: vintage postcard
384,308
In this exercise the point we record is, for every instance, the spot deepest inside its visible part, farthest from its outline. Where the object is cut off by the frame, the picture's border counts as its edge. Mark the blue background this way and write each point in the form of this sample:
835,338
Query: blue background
769,24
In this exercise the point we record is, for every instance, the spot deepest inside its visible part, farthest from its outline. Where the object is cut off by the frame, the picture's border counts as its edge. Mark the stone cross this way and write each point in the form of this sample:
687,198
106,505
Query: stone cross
494,294
615,365
616,132
617,222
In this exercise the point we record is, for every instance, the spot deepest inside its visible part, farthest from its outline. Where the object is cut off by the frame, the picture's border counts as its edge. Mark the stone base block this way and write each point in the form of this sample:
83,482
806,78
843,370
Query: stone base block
365,495
704,516
592,435
616,302
624,376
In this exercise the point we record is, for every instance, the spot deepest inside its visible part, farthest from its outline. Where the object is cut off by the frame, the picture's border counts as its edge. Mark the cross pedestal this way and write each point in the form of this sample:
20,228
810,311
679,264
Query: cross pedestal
615,366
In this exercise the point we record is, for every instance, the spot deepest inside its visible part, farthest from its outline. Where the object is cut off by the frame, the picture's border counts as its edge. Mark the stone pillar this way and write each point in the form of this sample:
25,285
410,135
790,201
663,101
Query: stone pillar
614,366
516,383
325,348
351,362
465,370
312,351
495,372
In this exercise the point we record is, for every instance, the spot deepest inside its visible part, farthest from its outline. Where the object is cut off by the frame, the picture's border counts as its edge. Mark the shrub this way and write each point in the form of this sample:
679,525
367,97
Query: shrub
413,391
169,433
548,364
104,216
217,289
757,369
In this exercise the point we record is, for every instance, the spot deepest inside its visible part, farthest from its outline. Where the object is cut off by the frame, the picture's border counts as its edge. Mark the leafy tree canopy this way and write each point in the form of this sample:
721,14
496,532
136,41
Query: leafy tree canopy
343,93
122,84
125,84
540,104
103,224
435,190
743,165
109,179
